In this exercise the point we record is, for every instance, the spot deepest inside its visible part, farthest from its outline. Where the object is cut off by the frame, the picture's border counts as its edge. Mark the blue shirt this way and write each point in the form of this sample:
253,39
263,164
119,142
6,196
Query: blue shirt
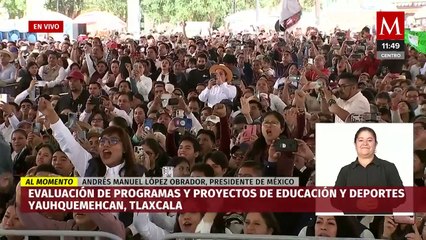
8,74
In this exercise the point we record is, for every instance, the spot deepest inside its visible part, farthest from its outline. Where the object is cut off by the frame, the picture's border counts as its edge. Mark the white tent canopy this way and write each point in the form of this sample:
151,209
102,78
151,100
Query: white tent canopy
101,21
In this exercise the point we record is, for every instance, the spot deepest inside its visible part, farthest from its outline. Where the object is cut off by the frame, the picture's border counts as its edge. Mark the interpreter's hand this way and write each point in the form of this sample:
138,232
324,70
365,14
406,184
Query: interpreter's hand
245,106
219,110
389,226
273,154
415,235
45,107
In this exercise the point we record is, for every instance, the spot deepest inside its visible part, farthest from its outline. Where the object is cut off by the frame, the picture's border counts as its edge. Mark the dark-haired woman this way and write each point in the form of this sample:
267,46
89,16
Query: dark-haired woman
30,74
263,150
377,172
336,227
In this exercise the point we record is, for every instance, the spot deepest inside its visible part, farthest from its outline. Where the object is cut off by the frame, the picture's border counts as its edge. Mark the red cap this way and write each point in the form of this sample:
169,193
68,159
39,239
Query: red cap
76,75
112,45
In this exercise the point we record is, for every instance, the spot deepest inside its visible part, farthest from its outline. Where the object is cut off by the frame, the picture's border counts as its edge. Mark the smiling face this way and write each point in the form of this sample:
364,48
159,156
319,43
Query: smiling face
188,222
365,144
326,226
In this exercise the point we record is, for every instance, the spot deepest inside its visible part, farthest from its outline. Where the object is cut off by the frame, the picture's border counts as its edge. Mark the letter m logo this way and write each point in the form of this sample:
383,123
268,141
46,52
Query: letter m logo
390,25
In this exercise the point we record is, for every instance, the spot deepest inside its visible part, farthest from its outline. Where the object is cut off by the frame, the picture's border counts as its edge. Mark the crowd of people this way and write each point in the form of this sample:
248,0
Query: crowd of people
205,107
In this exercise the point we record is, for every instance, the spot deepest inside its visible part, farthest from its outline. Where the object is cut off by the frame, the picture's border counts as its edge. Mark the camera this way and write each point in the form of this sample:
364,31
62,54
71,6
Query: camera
286,145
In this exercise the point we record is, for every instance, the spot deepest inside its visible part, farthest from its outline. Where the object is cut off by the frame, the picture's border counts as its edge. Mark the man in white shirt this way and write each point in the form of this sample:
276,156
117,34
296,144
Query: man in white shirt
350,101
218,89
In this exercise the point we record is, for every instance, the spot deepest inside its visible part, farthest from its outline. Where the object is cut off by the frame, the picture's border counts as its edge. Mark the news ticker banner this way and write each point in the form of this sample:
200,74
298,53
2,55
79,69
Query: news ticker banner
50,194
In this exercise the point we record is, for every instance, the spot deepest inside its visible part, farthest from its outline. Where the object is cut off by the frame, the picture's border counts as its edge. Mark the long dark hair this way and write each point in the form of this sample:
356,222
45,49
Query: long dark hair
103,115
123,71
130,168
162,158
260,145
347,227
270,221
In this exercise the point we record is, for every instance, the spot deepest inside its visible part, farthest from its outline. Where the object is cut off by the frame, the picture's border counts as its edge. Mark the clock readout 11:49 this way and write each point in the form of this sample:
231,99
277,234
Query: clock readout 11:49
390,45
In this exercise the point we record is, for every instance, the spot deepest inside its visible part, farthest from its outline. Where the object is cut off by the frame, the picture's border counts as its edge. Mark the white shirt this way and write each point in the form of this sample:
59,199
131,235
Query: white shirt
114,171
6,132
166,78
276,104
144,86
217,93
58,80
358,104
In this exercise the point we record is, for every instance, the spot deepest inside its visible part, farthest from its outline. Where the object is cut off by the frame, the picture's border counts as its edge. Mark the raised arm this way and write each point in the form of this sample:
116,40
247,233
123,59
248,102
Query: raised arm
75,152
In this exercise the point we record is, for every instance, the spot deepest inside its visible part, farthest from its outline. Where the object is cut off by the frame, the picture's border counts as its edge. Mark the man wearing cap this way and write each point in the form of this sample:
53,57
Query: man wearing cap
76,97
7,70
218,89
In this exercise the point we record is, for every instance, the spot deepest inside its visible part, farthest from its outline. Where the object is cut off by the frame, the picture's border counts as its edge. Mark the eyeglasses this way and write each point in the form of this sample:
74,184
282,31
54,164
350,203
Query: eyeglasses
111,141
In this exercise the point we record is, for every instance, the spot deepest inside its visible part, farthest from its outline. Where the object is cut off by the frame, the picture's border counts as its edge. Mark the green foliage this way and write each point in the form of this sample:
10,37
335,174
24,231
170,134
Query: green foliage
70,8
15,8
116,7
308,4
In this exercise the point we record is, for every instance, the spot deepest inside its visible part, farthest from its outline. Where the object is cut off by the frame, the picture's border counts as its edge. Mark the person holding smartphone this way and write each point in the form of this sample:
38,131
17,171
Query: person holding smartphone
218,88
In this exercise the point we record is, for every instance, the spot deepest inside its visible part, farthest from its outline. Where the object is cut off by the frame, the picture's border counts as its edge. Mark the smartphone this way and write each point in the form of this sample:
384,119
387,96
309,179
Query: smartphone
294,78
72,119
37,128
179,113
148,124
167,171
4,98
166,96
286,145
310,61
350,43
173,101
183,123
82,135
404,219
248,132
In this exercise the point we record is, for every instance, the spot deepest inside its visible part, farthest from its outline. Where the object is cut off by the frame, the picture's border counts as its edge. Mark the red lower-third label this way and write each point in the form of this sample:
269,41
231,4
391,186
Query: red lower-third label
46,26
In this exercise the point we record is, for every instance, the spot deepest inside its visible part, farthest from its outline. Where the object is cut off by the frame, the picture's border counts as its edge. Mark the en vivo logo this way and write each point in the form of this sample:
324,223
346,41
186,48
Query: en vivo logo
390,25
46,26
